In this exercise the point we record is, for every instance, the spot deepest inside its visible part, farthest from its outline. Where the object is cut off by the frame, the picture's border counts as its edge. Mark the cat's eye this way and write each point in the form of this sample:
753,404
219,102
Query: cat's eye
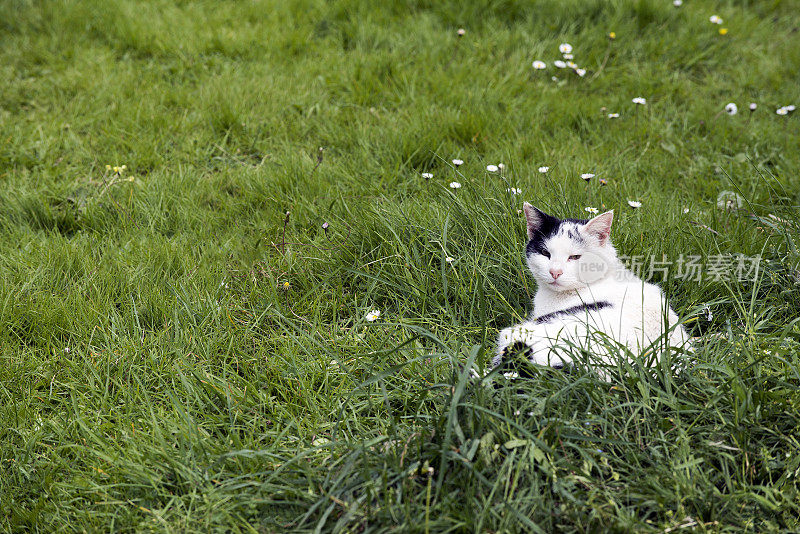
546,254
575,257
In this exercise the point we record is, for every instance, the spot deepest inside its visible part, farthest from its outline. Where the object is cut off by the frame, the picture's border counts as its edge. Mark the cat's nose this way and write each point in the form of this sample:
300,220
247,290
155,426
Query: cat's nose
555,273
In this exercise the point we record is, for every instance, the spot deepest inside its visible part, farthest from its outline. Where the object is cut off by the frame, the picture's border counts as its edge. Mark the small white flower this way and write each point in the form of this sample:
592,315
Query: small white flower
782,111
565,48
517,412
677,3
715,19
639,100
544,169
514,191
634,204
568,56
559,64
790,107
539,65
729,200
587,176
685,210
753,106
554,78
373,315
590,209
458,162
511,375
731,109
449,259
461,32
572,65
580,72
613,115
455,185
501,166
427,175
492,168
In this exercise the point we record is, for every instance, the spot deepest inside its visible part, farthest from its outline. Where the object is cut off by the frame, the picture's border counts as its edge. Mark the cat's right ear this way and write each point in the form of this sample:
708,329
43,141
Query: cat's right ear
534,218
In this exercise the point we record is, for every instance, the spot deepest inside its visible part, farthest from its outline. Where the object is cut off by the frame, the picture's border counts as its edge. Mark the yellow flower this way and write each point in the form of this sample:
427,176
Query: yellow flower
612,35
723,31
108,167
286,285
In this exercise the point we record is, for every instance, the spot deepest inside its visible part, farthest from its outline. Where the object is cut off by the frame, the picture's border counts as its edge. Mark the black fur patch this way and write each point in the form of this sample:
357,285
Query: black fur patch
593,306
549,227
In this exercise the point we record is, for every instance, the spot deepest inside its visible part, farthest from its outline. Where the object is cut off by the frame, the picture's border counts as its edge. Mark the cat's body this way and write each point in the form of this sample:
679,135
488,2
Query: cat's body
586,301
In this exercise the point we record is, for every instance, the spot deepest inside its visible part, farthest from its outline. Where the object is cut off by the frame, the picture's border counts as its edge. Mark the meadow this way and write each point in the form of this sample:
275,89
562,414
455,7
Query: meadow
187,342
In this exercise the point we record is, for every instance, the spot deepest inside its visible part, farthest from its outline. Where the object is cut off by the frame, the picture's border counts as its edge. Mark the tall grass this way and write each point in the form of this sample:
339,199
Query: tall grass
179,354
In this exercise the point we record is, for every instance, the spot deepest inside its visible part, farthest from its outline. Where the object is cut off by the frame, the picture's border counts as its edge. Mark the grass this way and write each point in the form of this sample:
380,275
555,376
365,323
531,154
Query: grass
158,374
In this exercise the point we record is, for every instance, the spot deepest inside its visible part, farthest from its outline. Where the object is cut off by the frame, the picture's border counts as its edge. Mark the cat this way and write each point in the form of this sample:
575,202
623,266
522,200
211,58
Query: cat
586,301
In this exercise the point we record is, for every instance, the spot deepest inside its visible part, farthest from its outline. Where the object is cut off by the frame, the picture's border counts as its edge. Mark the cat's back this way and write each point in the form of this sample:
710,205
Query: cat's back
643,307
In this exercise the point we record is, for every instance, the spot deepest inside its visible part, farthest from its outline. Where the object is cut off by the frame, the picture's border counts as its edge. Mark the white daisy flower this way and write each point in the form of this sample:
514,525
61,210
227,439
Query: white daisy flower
461,32
449,259
427,175
568,56
634,204
753,106
685,210
458,162
560,64
539,65
565,48
639,100
782,111
587,176
373,315
590,209
514,190
580,72
613,115
677,3
715,19
572,65
544,169
731,109
492,168
511,375
501,166
455,185
790,107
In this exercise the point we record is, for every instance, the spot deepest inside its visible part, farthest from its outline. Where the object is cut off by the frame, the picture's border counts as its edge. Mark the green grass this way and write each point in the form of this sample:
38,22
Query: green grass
157,375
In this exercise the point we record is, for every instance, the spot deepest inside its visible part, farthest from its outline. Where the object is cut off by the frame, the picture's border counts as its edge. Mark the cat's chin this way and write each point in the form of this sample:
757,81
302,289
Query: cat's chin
558,286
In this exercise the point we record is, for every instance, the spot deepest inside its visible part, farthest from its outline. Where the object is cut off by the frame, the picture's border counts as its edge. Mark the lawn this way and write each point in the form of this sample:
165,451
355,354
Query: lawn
185,340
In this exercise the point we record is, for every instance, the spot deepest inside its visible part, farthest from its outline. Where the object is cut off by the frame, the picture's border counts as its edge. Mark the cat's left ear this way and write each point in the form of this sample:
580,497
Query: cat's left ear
534,218
600,227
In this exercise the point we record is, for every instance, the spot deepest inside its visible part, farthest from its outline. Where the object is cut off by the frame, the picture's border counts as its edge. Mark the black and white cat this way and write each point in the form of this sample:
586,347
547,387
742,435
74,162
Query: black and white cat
587,301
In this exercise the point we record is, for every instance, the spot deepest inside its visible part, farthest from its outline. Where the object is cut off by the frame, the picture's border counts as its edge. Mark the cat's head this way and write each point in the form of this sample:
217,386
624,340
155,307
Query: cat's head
567,254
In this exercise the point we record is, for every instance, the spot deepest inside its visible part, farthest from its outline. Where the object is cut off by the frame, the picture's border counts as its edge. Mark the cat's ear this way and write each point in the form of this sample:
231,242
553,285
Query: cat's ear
534,218
600,227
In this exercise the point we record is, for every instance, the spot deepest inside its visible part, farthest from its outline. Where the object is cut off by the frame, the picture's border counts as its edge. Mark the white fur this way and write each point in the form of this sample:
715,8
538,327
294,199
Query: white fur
638,315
